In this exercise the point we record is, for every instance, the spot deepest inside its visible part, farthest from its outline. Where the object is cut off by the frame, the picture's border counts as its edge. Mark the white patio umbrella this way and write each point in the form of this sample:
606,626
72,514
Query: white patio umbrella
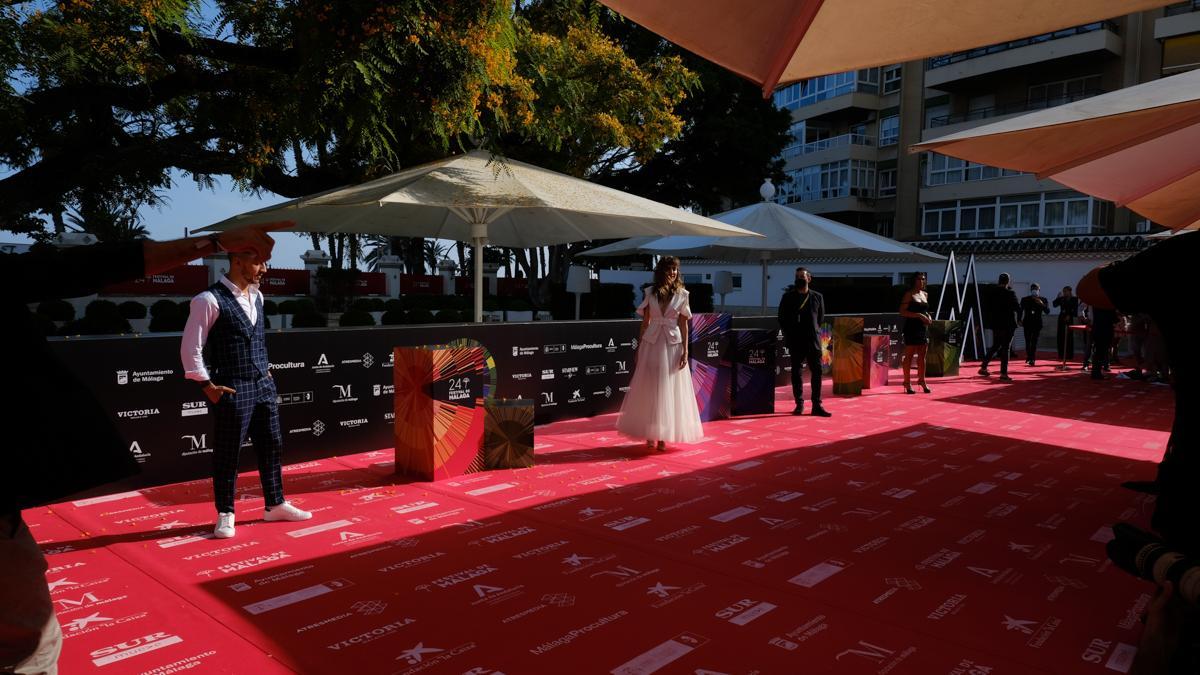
774,42
471,197
786,234
1138,147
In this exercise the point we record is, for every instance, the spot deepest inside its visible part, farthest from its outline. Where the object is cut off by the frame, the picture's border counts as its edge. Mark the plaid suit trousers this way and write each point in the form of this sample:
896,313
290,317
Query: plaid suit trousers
251,412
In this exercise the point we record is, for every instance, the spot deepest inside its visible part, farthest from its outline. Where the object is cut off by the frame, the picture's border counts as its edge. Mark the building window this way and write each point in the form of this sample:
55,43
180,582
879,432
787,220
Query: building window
816,89
1052,94
832,180
943,170
1055,213
1142,226
891,79
889,130
887,183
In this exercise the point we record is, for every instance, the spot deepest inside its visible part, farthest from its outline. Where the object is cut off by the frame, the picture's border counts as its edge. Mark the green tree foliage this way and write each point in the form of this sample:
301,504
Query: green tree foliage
105,97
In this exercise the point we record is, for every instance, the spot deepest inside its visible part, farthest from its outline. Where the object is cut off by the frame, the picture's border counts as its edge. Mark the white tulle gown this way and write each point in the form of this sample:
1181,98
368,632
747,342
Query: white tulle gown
661,405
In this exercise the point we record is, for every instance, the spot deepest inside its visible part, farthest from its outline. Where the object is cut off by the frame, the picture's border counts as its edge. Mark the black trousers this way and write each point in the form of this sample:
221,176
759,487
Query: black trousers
1032,333
1178,474
1102,339
1001,343
1066,341
802,354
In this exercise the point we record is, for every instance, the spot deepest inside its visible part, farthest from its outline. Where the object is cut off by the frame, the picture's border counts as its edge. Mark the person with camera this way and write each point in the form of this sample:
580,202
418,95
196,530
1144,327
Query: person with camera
1135,285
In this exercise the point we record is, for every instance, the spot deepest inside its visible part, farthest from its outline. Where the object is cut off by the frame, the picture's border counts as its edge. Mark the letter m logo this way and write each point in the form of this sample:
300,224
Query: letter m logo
965,304
867,651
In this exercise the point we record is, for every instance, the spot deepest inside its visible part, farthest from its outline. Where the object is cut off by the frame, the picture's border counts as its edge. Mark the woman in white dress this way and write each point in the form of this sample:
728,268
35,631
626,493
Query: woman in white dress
661,405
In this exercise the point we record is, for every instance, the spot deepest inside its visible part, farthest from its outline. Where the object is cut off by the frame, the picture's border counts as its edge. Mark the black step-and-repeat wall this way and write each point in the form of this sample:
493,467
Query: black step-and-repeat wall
335,386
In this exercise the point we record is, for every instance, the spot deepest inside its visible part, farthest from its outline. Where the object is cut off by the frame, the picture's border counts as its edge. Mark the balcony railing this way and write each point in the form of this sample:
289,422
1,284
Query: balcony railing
834,192
1010,108
1182,8
827,143
958,57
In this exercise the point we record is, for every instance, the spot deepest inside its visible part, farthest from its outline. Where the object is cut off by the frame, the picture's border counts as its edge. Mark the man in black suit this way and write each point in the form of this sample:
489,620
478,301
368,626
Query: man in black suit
1000,312
1033,306
801,313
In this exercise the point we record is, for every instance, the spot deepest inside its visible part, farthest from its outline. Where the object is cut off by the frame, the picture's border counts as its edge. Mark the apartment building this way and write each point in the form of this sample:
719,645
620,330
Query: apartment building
848,160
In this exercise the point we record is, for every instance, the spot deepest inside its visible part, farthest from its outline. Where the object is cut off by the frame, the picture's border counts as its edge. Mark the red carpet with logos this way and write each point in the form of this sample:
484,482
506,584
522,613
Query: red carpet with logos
958,532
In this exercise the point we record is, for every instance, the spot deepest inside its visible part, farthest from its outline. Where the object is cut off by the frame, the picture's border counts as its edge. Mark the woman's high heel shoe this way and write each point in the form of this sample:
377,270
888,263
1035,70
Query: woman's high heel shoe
925,387
908,389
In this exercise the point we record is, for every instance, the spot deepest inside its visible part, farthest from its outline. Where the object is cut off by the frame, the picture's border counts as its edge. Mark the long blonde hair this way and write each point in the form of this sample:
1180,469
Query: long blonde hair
663,290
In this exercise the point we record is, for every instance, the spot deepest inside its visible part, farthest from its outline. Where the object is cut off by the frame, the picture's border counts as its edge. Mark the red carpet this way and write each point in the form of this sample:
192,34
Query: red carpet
960,532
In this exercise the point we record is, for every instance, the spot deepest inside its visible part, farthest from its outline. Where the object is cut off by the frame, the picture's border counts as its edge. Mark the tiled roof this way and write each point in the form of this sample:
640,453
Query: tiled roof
1040,246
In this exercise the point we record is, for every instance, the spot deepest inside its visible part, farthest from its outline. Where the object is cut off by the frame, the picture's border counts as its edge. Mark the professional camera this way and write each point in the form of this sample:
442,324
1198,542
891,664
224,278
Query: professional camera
1146,556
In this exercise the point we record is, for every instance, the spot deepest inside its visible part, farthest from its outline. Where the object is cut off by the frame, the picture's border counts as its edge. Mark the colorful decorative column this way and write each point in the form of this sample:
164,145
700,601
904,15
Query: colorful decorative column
848,355
945,344
708,357
876,360
439,410
753,384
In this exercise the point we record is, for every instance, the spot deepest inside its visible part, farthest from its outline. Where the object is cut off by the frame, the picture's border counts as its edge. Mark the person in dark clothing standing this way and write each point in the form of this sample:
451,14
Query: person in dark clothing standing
1068,313
60,440
1136,285
1033,306
801,313
1104,324
1000,312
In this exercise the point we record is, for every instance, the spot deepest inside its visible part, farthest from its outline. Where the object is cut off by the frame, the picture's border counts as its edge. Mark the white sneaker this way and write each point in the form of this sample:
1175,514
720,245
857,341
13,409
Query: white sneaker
224,528
286,511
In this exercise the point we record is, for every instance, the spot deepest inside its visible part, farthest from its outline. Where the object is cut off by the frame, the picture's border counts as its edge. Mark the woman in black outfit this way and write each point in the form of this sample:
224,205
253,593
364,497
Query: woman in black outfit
914,307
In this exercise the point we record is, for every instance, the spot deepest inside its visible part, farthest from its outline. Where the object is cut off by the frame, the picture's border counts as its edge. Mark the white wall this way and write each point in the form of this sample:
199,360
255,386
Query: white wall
1051,275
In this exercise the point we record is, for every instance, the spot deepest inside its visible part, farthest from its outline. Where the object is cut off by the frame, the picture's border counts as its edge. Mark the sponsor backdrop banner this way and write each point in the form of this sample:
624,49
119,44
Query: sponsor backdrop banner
335,386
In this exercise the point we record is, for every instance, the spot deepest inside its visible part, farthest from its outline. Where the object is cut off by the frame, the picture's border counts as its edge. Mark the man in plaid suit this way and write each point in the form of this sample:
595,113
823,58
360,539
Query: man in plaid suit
226,324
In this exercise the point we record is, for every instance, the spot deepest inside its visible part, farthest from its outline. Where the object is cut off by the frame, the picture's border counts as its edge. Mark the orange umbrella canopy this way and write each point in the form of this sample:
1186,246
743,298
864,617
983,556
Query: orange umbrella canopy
1138,147
774,42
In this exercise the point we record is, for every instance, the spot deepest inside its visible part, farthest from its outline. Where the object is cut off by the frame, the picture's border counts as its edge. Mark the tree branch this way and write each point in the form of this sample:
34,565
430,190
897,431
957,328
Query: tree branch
173,45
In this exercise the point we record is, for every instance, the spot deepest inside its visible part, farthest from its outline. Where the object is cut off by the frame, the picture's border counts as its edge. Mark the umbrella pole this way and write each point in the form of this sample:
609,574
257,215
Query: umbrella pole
764,285
478,236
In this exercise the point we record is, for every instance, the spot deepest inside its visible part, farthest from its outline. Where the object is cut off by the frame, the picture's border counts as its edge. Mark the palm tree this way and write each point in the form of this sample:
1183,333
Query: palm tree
376,246
109,222
434,252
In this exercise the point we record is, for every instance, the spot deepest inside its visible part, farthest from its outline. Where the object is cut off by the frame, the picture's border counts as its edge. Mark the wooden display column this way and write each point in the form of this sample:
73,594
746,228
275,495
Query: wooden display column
508,433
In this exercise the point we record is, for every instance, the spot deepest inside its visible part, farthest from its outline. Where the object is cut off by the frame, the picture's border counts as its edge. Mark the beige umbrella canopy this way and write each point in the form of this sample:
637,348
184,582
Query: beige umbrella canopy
471,197
1138,147
786,234
779,41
